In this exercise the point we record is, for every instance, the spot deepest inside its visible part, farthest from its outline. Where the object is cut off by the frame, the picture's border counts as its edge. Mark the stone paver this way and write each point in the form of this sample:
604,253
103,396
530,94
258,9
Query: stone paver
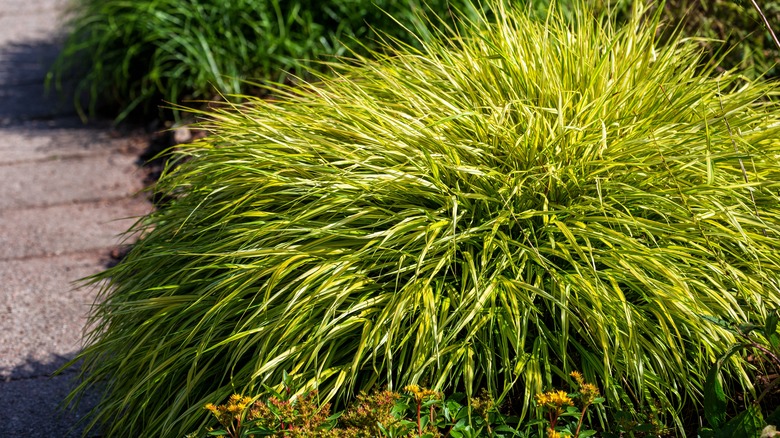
30,37
61,180
31,141
21,7
29,101
25,64
25,24
61,229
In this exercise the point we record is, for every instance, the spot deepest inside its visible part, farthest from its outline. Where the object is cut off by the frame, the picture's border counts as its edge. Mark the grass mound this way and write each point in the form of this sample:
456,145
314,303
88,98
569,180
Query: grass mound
492,211
142,52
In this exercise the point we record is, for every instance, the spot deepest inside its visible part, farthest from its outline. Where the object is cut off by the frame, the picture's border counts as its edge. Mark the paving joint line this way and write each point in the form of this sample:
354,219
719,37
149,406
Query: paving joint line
73,156
138,196
103,252
51,255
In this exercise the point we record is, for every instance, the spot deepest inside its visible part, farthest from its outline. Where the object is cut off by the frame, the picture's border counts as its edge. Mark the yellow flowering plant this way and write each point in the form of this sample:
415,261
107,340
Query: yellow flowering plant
556,405
415,411
421,395
232,414
282,413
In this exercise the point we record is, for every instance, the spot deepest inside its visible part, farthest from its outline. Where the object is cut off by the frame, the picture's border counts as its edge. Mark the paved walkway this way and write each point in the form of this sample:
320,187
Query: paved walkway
66,192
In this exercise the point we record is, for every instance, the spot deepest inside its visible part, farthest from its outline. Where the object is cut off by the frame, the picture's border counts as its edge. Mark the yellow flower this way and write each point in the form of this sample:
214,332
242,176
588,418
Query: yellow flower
236,405
554,399
243,403
588,391
551,433
419,393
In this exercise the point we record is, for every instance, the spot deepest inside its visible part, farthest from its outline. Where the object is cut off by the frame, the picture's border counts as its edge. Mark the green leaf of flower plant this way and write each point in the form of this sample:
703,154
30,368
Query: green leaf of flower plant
714,398
747,424
771,324
706,432
774,341
774,417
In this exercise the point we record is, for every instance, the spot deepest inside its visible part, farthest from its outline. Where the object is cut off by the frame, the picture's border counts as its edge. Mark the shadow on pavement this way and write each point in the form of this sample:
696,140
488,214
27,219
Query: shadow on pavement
27,106
33,401
35,368
23,97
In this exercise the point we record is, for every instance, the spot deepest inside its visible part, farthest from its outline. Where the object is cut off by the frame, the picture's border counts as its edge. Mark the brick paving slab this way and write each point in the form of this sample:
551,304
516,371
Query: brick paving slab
79,179
43,312
37,141
61,229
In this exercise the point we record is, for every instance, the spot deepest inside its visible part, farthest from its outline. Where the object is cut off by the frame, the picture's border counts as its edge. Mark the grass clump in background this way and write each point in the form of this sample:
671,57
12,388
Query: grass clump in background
731,31
492,211
143,52
734,30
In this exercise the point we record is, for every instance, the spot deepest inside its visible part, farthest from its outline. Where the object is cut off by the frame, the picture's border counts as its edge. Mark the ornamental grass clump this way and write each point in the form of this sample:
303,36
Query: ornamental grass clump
141,54
492,211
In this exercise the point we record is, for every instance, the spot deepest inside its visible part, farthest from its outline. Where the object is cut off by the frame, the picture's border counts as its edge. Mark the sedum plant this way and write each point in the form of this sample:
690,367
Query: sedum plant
415,412
494,210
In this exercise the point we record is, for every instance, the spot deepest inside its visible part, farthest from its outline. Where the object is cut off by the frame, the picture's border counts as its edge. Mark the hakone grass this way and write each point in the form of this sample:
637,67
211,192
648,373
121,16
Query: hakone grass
493,210
131,57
